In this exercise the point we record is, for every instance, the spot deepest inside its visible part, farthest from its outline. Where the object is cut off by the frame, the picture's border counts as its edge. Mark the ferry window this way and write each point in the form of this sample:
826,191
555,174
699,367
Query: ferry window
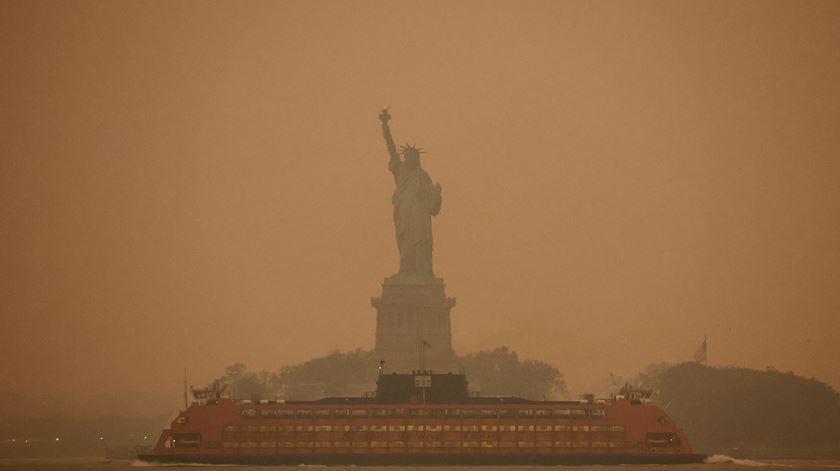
616,428
304,413
542,413
578,413
268,428
469,413
453,412
231,428
416,413
525,413
267,412
662,440
186,440
323,413
564,413
436,412
598,413
359,412
285,413
341,412
505,413
382,412
400,412
488,413
249,412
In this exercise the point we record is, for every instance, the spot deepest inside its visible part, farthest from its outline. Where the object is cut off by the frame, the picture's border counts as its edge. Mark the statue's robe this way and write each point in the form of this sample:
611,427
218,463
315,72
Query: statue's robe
415,201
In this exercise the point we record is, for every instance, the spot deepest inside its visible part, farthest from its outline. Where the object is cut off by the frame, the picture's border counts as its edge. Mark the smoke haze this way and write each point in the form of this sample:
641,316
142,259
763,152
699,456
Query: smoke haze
194,184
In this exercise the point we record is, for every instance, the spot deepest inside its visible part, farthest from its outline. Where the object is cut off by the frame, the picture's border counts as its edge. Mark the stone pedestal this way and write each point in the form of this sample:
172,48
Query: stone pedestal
406,315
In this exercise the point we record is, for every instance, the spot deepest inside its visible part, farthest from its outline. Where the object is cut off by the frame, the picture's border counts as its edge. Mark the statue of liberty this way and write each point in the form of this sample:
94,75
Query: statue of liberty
415,201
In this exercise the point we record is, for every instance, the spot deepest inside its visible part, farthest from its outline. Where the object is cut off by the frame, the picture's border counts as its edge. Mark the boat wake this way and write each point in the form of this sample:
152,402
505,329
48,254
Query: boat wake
726,459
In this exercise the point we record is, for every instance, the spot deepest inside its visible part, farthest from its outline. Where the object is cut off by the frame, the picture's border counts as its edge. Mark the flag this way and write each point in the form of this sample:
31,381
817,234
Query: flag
700,353
426,344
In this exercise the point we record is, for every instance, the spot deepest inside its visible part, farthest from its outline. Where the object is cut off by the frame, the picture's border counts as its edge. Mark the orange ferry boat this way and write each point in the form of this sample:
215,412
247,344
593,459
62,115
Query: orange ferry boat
423,418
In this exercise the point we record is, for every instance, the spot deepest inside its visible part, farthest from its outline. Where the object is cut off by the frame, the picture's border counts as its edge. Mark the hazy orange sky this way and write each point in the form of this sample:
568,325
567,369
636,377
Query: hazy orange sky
193,184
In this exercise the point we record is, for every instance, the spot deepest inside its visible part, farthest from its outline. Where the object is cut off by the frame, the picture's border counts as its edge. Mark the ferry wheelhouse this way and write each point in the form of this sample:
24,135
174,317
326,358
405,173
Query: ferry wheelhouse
423,418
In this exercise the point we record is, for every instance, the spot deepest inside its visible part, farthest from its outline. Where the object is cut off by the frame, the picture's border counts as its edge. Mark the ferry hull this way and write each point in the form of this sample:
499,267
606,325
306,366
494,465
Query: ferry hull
428,459
399,426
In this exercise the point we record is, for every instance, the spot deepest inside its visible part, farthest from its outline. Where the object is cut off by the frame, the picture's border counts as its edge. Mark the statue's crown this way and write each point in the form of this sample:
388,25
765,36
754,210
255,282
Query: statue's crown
411,149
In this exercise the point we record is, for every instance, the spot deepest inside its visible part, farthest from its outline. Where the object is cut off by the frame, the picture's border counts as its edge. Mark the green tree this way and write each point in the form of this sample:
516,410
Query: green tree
726,408
500,372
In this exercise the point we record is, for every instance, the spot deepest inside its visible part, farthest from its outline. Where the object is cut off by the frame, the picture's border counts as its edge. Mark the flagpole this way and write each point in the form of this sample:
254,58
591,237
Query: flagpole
186,403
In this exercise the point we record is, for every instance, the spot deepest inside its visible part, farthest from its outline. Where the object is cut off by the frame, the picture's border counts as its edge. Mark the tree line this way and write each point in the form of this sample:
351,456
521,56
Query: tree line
731,409
498,372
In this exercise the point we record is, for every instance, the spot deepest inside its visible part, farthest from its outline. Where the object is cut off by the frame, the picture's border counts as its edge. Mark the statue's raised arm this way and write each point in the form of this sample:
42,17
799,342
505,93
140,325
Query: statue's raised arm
394,163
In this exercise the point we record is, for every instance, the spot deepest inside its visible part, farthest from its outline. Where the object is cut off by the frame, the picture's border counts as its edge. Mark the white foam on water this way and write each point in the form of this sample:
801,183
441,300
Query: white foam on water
726,459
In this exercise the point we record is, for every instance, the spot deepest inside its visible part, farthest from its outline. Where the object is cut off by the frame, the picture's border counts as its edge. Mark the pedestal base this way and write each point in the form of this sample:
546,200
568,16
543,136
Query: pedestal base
408,314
